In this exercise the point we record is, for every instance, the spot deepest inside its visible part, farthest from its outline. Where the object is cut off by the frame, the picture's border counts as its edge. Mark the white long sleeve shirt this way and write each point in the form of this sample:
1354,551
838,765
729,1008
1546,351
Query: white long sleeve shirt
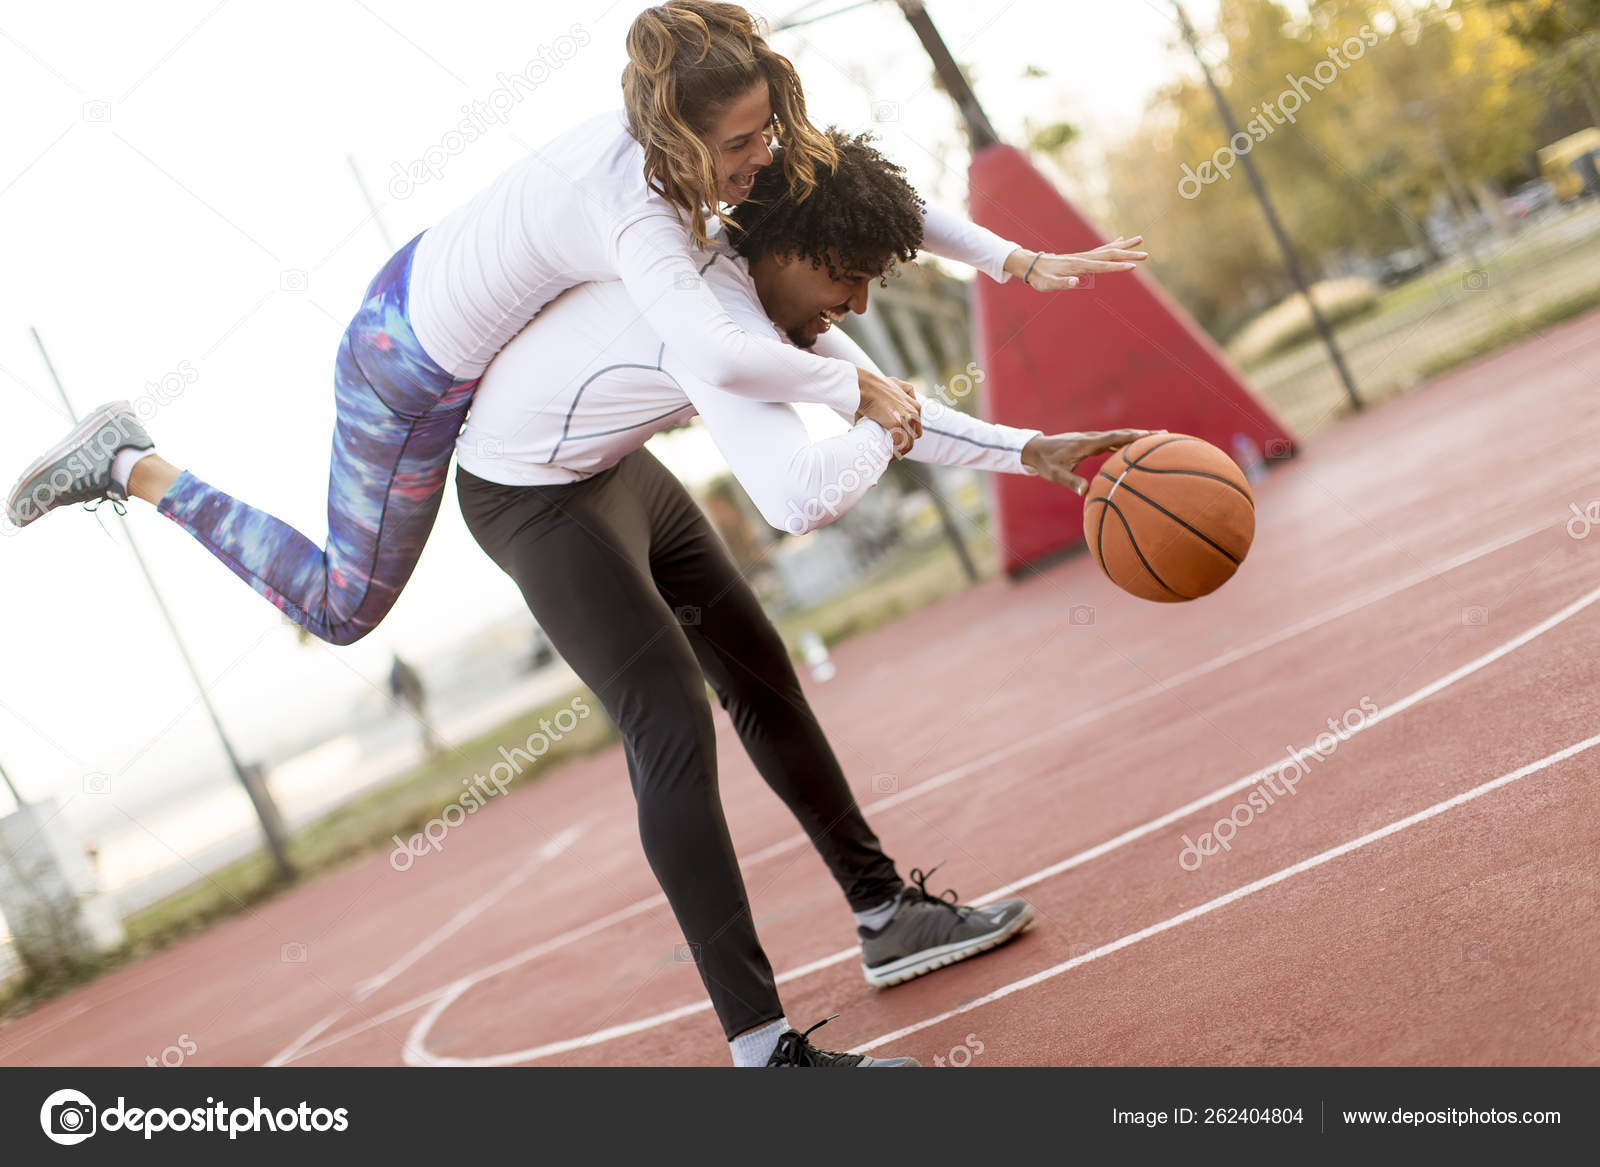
578,210
589,381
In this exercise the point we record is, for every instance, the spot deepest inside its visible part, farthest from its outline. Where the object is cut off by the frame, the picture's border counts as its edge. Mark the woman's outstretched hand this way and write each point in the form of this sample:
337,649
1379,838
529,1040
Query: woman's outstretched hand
1055,457
1052,273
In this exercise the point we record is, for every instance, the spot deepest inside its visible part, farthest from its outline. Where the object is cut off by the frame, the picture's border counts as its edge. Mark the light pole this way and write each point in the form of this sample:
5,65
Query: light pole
1290,260
15,795
250,777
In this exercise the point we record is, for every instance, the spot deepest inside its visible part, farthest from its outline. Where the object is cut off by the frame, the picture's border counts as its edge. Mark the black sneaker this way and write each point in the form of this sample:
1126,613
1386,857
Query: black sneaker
78,468
928,932
794,1049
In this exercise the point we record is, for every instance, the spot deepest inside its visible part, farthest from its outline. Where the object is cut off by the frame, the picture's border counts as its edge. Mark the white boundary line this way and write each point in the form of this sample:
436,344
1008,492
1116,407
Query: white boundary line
954,774
449,928
1237,894
415,1050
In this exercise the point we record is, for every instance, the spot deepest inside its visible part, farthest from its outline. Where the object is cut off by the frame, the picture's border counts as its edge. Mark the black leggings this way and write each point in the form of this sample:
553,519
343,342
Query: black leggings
639,595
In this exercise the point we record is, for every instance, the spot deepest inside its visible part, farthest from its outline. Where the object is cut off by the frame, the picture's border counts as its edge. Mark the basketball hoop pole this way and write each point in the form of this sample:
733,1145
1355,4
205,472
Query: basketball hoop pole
955,83
1290,260
250,777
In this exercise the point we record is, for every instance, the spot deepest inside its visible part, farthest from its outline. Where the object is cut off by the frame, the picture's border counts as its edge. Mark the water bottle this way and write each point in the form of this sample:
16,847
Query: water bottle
816,656
1248,455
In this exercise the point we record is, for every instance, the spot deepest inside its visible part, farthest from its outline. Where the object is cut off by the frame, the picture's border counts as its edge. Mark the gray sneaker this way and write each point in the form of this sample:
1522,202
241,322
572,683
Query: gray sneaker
78,467
795,1049
928,932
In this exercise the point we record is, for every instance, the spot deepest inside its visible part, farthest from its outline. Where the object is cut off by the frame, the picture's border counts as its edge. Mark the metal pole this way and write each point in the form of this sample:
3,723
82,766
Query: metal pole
371,206
979,130
1290,260
6,778
255,787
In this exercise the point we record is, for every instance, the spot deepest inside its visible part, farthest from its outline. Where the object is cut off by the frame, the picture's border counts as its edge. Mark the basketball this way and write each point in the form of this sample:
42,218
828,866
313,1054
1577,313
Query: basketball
1169,518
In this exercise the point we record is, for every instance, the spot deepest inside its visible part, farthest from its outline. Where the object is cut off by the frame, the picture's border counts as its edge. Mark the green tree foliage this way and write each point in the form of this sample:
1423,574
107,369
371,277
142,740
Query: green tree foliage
1566,35
1359,114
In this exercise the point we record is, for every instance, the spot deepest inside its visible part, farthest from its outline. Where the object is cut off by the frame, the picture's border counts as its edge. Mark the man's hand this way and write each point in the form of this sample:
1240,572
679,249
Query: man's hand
1053,272
893,404
1054,457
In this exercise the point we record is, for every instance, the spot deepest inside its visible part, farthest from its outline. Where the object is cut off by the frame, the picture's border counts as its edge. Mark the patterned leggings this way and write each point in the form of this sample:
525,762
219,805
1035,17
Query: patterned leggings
398,415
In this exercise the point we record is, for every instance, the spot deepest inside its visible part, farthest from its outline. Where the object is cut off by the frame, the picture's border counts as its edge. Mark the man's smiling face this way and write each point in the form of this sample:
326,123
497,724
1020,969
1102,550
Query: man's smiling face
805,301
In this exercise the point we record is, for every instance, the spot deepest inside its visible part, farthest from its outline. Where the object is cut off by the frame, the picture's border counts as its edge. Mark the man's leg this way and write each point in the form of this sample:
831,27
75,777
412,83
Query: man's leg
580,554
744,658
905,932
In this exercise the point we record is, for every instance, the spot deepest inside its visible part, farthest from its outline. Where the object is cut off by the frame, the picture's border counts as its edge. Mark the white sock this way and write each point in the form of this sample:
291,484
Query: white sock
755,1048
875,918
122,465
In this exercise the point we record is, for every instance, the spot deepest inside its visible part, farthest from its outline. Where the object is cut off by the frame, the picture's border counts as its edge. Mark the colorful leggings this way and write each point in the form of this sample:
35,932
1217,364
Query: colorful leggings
398,415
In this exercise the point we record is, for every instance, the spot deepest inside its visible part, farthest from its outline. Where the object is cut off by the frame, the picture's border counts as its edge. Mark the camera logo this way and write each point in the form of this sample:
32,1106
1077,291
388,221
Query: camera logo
68,1117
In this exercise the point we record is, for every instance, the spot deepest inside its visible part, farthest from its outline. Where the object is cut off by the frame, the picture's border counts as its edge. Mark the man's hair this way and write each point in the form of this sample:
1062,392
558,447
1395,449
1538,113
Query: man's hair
861,215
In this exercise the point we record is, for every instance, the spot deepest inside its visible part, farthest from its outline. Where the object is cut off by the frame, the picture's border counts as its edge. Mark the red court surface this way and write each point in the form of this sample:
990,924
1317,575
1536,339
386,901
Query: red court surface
1427,895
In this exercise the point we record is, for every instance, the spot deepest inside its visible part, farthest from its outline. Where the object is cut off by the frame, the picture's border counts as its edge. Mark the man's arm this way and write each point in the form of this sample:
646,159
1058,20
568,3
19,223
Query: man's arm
952,438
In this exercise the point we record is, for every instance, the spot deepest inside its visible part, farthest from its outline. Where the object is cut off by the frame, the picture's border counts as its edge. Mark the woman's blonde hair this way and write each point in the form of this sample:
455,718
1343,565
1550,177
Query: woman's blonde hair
687,61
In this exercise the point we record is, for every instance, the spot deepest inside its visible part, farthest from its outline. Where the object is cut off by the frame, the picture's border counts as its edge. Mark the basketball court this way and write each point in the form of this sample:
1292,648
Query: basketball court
1421,577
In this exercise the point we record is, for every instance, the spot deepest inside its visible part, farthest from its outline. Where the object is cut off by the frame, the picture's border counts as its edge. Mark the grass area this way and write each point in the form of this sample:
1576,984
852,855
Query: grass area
1511,331
347,833
1527,251
912,579
906,581
1439,321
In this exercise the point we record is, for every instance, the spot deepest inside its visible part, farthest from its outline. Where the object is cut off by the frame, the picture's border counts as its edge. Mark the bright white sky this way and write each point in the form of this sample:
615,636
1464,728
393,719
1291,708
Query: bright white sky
165,165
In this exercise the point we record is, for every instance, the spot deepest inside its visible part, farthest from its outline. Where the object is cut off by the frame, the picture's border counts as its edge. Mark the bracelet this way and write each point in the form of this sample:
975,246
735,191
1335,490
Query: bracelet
1029,272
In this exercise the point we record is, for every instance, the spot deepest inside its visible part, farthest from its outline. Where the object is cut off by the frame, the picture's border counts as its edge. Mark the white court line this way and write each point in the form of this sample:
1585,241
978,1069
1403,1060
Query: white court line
1211,665
449,928
415,1051
1237,894
649,903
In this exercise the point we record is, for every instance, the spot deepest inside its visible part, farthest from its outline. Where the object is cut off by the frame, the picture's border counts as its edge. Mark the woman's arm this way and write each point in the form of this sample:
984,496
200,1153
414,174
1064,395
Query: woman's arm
655,265
664,279
952,237
798,483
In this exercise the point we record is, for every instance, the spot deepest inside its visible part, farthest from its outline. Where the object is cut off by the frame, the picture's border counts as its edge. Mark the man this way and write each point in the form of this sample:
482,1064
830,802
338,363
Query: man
640,597
406,689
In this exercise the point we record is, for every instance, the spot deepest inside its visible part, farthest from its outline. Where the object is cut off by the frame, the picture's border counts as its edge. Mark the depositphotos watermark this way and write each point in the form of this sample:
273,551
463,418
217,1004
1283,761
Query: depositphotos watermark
1265,118
829,502
493,110
961,385
960,1056
868,467
174,1055
68,1117
1282,781
480,788
117,431
1583,521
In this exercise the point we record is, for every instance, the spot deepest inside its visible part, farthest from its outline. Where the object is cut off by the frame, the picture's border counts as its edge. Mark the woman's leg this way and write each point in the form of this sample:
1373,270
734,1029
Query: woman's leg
151,478
397,419
581,555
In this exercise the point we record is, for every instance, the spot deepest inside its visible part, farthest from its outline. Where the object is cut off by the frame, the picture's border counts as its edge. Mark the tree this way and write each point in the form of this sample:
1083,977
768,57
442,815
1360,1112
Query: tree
1566,35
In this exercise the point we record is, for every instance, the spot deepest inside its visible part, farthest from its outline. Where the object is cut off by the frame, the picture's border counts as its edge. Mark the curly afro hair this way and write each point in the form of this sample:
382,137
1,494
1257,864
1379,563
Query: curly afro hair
861,216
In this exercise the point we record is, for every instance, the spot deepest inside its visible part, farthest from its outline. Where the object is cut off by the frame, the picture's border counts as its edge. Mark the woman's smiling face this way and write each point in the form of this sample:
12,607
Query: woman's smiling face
740,141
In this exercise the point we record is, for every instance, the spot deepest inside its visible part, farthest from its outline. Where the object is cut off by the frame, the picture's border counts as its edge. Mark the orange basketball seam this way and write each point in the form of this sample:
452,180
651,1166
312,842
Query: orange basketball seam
1198,534
1199,474
1134,543
1157,446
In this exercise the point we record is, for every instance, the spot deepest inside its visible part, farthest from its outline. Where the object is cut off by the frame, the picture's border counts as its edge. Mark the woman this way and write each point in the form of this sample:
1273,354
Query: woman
620,197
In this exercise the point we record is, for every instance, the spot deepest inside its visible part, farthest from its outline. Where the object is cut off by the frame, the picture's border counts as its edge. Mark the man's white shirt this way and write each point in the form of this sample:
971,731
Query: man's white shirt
588,381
